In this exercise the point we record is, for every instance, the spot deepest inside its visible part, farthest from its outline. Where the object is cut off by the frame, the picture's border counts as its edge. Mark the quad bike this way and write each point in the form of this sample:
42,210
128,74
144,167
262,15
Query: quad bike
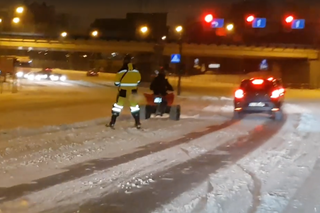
160,105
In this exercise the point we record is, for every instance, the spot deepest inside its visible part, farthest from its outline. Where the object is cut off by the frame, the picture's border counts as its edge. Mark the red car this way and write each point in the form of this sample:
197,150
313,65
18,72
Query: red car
93,72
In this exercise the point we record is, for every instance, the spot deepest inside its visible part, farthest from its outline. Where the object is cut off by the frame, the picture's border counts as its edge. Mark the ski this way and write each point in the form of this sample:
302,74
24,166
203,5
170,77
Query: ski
109,126
112,127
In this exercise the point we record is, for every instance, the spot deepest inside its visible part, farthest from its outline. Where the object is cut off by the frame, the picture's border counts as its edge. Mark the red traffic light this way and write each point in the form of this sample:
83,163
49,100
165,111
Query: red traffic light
250,18
289,19
208,18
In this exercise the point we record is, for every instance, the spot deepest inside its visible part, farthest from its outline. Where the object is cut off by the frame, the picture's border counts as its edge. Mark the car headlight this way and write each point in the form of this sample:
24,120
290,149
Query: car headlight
63,78
19,74
38,77
30,77
54,78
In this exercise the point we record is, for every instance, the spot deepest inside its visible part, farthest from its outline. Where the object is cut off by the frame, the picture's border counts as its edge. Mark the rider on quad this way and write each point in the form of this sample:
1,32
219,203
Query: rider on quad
160,85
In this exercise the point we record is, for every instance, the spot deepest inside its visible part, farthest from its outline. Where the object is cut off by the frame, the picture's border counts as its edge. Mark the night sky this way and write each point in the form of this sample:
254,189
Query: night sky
87,10
91,9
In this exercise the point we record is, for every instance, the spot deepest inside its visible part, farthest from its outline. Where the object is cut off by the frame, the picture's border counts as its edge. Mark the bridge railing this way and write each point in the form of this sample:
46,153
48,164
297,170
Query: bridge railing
97,41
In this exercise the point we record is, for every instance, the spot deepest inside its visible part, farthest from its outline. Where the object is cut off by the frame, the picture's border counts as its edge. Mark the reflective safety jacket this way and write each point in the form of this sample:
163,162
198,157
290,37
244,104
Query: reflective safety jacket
127,79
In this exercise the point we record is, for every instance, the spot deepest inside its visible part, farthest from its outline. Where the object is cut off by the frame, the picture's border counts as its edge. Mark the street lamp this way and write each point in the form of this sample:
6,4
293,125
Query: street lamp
179,29
144,29
164,37
20,10
230,27
16,20
94,33
64,34
0,20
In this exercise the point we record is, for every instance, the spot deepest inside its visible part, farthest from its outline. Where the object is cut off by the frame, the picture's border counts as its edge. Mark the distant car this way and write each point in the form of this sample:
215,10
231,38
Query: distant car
93,72
259,95
45,75
48,70
57,77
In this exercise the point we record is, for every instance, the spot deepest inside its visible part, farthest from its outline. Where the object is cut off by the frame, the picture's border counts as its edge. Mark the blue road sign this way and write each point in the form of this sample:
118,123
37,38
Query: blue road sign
217,23
175,58
259,23
298,24
264,64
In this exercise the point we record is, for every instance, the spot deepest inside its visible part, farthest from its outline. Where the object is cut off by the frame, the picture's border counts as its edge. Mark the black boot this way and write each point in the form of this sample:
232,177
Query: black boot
136,116
113,120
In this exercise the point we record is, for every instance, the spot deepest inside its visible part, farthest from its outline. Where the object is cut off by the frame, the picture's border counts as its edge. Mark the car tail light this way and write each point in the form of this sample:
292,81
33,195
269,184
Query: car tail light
281,91
276,93
270,79
239,93
257,81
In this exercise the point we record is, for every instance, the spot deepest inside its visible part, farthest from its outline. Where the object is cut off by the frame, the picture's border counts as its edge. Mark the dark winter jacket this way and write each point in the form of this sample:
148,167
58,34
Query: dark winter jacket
160,85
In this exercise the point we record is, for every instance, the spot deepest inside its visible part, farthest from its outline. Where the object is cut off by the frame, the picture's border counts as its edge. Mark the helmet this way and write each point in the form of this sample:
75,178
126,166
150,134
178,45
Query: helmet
162,71
127,58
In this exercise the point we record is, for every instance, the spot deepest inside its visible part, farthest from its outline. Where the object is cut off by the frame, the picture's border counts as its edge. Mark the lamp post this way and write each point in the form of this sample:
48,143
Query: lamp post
16,20
19,10
179,30
94,33
230,27
64,34
144,29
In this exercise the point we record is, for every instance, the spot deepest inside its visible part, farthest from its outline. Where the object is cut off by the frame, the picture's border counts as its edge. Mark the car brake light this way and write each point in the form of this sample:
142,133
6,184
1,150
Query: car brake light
281,90
257,81
270,79
275,94
239,93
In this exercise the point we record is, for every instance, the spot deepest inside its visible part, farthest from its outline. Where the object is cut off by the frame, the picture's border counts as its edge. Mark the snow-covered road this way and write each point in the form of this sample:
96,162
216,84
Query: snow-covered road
202,163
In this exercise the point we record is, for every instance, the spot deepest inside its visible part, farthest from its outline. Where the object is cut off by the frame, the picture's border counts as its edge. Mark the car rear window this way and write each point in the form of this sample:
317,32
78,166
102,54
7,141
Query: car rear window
248,86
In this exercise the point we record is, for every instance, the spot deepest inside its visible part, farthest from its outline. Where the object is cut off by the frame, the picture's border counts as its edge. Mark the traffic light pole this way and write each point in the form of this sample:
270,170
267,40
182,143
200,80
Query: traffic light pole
180,66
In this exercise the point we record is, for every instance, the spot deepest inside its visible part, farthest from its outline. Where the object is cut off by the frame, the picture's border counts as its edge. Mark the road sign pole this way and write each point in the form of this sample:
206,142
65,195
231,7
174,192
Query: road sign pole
180,67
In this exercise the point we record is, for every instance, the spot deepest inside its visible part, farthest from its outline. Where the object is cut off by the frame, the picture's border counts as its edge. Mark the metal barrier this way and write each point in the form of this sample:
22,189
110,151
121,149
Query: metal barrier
279,50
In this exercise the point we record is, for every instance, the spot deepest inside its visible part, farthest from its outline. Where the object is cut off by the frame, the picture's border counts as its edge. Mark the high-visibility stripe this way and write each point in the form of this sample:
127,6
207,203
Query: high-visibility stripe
114,109
135,108
128,85
122,71
117,106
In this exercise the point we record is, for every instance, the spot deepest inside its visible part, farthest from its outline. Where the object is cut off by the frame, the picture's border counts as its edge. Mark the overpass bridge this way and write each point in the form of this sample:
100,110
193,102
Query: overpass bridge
277,51
274,51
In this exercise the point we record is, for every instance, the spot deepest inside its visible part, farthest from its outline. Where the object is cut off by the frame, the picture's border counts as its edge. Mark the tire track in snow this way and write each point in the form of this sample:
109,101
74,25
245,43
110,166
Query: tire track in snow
163,191
255,190
83,169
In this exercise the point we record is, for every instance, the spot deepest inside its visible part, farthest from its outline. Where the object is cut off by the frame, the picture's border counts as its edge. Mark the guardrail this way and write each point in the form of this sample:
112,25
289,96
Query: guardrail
74,41
97,41
277,50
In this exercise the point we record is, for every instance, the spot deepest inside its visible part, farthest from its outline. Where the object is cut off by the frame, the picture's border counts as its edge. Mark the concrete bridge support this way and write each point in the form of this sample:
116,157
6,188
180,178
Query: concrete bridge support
314,74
